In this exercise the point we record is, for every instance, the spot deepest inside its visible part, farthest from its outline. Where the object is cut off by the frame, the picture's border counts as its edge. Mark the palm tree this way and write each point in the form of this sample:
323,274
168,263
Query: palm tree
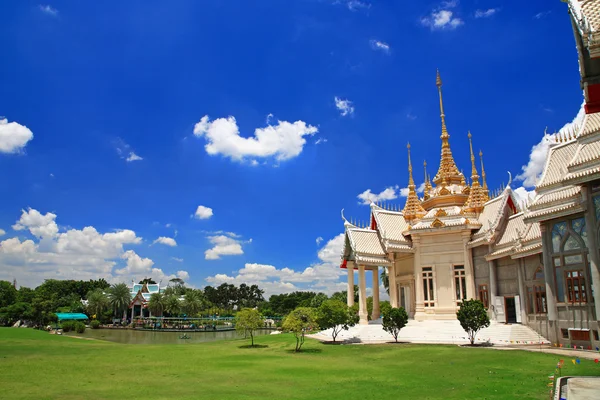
156,304
192,302
172,305
385,279
119,297
97,302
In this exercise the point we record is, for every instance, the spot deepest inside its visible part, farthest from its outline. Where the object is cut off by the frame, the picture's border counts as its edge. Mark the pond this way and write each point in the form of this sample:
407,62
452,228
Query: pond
130,336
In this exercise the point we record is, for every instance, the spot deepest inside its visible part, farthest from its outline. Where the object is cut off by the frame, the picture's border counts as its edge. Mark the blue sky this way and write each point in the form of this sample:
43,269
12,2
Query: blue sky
105,147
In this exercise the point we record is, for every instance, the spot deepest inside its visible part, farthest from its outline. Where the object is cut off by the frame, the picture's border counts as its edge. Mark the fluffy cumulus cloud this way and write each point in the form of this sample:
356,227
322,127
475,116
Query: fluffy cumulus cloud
56,253
379,45
282,141
319,240
531,172
167,241
133,157
486,13
2,232
224,245
344,106
13,136
203,212
443,17
322,276
367,197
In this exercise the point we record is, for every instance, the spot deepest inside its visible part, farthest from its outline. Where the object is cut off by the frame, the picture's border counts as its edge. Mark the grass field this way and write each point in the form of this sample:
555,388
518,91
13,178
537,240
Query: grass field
34,364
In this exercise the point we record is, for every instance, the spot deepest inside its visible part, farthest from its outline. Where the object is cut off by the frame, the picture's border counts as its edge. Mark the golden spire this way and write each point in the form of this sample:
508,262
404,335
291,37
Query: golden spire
485,186
412,208
448,172
428,188
477,194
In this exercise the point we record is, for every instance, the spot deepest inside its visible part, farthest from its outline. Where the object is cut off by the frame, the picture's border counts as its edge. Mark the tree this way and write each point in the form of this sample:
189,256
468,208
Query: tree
172,305
335,315
8,294
148,280
248,320
192,302
472,317
316,301
97,302
157,303
343,296
300,321
394,320
119,297
385,279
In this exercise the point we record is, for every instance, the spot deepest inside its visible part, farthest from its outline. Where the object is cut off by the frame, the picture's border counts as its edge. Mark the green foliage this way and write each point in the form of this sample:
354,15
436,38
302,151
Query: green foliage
119,297
15,312
335,315
148,280
157,304
343,296
68,326
282,304
226,296
472,317
98,302
193,302
8,294
95,324
300,321
79,327
248,320
172,305
385,280
384,306
394,320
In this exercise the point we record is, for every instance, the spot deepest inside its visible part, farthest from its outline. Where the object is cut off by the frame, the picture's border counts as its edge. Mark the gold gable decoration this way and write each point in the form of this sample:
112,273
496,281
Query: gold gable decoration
412,208
441,213
437,223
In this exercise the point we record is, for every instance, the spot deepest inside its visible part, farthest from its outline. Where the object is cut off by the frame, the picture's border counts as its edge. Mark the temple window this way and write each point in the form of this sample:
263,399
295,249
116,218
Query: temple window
575,286
536,299
484,295
460,283
557,234
428,291
539,273
597,207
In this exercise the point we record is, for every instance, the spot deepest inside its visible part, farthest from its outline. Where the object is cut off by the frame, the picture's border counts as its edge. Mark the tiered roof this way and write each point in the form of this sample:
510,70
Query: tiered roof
586,14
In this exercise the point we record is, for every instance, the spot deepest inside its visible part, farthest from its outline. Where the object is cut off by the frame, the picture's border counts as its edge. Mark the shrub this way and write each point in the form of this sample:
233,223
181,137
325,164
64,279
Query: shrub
394,320
95,324
300,321
79,327
68,326
335,315
472,317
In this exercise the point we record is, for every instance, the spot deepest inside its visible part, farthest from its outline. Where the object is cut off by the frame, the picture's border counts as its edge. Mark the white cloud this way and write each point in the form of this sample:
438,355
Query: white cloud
367,197
319,240
404,191
411,116
321,140
41,226
167,241
542,14
381,46
203,212
49,10
223,246
2,232
442,17
71,254
177,259
13,136
133,157
344,106
322,276
523,195
282,141
539,153
486,13
353,5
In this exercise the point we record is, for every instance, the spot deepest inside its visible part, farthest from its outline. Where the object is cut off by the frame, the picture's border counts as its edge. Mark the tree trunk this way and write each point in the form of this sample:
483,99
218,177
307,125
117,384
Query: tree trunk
252,337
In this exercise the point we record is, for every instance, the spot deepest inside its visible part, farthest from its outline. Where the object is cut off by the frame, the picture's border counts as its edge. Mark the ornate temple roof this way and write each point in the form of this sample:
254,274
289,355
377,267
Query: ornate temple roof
478,195
518,239
366,247
586,14
413,208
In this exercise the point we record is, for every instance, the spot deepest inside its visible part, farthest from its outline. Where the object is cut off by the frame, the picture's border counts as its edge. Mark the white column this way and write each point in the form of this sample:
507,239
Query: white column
493,285
469,270
521,280
419,307
392,284
549,273
590,227
362,296
350,268
375,314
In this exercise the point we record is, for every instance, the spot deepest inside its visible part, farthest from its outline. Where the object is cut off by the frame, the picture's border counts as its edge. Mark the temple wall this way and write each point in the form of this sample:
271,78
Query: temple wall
443,252
481,266
506,275
403,267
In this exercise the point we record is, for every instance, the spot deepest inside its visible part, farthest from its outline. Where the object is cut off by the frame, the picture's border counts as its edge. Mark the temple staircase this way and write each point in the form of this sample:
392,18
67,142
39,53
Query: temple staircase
441,332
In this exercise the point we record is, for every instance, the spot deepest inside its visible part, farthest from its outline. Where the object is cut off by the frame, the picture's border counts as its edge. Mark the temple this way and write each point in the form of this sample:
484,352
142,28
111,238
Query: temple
140,295
535,263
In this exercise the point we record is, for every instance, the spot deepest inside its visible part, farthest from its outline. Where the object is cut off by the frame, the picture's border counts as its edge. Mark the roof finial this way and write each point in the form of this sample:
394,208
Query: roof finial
438,83
474,175
410,175
485,186
412,208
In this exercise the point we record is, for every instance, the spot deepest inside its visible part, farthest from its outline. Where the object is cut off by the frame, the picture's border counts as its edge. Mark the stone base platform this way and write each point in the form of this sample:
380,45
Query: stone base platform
441,332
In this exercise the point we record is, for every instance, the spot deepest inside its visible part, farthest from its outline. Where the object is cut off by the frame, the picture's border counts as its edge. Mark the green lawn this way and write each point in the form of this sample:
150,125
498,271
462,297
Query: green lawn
34,364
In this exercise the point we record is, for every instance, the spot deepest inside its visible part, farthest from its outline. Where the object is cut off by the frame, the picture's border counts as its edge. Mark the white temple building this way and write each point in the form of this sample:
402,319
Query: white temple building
535,264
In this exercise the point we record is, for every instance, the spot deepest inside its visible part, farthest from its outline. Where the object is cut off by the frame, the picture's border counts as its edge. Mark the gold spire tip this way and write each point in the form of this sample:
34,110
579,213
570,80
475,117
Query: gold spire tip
438,79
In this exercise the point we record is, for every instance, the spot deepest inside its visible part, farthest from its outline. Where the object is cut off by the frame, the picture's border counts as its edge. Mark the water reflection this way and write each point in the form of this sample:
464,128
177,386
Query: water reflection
129,336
